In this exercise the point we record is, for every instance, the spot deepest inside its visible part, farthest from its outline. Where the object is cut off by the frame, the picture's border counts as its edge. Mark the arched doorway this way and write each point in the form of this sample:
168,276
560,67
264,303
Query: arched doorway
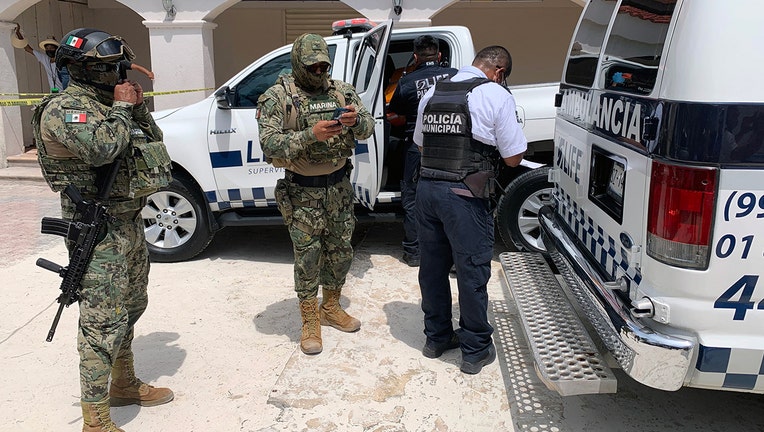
39,20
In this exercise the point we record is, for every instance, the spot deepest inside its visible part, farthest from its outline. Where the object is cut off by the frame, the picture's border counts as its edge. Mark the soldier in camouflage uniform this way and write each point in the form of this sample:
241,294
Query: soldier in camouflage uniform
315,196
97,120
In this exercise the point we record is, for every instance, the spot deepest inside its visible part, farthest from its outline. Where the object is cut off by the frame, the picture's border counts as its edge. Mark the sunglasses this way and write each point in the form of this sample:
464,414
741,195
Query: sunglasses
111,49
318,67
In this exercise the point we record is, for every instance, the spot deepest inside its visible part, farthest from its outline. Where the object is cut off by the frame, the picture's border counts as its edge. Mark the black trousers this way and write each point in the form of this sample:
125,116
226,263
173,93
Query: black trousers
455,230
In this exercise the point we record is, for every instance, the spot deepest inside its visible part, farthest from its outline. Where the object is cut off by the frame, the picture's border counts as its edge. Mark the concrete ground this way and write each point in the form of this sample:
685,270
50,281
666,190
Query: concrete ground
222,330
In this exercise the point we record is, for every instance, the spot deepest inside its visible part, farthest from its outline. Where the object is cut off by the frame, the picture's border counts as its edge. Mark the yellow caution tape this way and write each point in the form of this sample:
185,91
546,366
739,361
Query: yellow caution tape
24,102
19,102
152,93
24,94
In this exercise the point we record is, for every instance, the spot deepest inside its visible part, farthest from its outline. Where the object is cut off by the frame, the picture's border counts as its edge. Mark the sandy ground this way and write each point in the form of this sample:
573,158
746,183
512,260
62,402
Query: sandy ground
223,332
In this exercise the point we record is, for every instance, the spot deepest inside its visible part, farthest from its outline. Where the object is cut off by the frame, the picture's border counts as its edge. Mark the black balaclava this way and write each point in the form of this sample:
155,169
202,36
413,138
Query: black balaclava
103,81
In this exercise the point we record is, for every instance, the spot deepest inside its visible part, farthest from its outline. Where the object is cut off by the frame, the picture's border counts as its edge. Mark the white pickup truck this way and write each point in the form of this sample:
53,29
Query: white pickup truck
221,178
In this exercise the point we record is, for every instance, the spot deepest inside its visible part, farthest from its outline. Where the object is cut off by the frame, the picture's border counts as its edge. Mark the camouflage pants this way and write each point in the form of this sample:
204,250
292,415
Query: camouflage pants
321,228
113,297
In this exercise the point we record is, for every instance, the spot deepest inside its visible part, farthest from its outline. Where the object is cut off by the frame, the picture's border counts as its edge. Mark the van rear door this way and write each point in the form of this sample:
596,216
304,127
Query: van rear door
366,77
610,121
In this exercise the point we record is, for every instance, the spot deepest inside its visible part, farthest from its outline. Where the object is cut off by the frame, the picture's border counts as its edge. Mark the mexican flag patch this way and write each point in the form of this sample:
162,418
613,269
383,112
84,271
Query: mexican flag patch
76,117
74,41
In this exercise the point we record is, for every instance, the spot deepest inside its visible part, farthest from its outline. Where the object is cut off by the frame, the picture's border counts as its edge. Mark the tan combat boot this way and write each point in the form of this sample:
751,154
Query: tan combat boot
97,418
333,315
126,389
310,342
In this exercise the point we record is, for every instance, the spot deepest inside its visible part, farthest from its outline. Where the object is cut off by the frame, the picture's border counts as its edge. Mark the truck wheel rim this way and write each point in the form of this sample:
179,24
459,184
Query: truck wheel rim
528,217
169,220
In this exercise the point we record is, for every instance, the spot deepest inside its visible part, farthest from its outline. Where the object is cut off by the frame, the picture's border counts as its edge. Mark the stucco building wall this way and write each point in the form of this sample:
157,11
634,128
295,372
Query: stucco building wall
537,33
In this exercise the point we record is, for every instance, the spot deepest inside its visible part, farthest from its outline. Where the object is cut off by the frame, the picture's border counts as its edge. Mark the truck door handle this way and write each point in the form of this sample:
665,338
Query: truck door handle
558,100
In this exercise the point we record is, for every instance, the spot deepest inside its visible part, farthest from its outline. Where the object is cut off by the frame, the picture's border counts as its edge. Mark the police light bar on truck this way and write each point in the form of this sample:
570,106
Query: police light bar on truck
354,25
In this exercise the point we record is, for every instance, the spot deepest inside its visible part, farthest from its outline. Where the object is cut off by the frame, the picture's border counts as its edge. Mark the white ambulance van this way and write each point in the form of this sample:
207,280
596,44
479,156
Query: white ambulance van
657,221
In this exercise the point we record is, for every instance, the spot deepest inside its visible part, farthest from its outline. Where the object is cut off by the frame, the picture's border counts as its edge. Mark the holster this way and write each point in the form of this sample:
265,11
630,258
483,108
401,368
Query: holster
481,184
283,201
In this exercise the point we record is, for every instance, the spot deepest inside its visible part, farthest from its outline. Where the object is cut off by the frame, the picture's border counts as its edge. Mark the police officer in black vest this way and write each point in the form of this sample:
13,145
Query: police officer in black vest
466,126
405,101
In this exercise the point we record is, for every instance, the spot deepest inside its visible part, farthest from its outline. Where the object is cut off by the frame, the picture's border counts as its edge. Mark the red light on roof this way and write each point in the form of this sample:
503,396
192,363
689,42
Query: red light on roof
359,23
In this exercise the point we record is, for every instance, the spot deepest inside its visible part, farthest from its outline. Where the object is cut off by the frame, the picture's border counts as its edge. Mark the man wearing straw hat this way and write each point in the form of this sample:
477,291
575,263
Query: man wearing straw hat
46,59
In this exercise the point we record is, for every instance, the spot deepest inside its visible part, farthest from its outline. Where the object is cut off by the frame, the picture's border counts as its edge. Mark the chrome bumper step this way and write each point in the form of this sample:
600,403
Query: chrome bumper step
567,360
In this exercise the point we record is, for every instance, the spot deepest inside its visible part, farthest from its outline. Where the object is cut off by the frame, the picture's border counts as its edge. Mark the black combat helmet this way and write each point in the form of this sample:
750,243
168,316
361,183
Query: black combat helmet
90,45
101,51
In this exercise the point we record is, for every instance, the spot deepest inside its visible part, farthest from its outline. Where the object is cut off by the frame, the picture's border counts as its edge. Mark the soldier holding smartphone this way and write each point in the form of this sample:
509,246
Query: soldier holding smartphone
309,124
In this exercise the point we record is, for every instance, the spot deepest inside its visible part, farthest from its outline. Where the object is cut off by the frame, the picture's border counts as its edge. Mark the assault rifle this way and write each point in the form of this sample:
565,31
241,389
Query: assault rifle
83,235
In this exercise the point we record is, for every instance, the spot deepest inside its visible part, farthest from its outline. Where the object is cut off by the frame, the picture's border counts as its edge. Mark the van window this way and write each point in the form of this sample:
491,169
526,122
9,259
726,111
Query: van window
256,83
635,44
587,44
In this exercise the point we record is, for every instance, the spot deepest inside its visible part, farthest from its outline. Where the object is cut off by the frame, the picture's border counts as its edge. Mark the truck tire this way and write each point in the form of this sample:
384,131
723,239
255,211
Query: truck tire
518,209
176,222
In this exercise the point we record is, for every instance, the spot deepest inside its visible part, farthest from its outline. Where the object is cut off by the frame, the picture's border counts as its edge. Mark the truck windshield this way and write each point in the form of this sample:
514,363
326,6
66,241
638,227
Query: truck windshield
249,89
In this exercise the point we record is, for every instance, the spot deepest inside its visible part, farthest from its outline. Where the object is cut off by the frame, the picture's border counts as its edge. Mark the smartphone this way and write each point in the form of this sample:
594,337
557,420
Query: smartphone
338,112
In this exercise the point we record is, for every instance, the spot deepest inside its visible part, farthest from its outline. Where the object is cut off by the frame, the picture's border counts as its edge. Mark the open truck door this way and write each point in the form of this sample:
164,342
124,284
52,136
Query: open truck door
366,77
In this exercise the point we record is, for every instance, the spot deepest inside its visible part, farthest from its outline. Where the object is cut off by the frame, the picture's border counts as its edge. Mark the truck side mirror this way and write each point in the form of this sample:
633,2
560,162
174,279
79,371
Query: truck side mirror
224,98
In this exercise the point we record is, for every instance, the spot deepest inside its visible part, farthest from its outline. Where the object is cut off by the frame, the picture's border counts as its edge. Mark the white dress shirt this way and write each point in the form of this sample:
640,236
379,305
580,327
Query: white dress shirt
493,112
50,70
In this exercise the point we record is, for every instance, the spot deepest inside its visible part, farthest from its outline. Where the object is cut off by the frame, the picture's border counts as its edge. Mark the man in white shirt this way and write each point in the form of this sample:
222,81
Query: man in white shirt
466,126
46,59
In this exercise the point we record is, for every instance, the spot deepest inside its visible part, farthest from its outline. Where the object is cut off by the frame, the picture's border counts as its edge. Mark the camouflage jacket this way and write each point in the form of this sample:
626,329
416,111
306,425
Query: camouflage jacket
301,145
79,134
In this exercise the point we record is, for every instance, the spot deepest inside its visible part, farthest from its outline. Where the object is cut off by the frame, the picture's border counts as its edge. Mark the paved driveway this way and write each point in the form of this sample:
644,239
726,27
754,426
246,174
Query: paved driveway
222,331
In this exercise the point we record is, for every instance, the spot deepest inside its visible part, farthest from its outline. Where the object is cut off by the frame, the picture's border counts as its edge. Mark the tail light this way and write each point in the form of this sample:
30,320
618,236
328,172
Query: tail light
681,214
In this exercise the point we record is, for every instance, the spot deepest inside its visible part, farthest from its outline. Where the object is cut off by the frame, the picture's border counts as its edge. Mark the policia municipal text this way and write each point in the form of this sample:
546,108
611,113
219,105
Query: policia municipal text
467,125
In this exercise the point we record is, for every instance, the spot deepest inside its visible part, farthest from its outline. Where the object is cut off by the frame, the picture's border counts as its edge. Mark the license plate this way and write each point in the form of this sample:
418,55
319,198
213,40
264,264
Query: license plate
607,181
615,186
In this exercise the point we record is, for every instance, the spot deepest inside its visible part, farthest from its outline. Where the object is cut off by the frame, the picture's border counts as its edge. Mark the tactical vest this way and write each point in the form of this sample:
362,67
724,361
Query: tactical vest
302,111
448,150
145,165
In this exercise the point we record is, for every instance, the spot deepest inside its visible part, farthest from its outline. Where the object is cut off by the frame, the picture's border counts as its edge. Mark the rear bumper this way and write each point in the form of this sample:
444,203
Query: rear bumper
654,359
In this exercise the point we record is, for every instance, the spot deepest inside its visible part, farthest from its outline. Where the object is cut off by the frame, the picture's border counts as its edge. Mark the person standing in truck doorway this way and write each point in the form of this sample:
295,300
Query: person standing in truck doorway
405,101
309,124
466,126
